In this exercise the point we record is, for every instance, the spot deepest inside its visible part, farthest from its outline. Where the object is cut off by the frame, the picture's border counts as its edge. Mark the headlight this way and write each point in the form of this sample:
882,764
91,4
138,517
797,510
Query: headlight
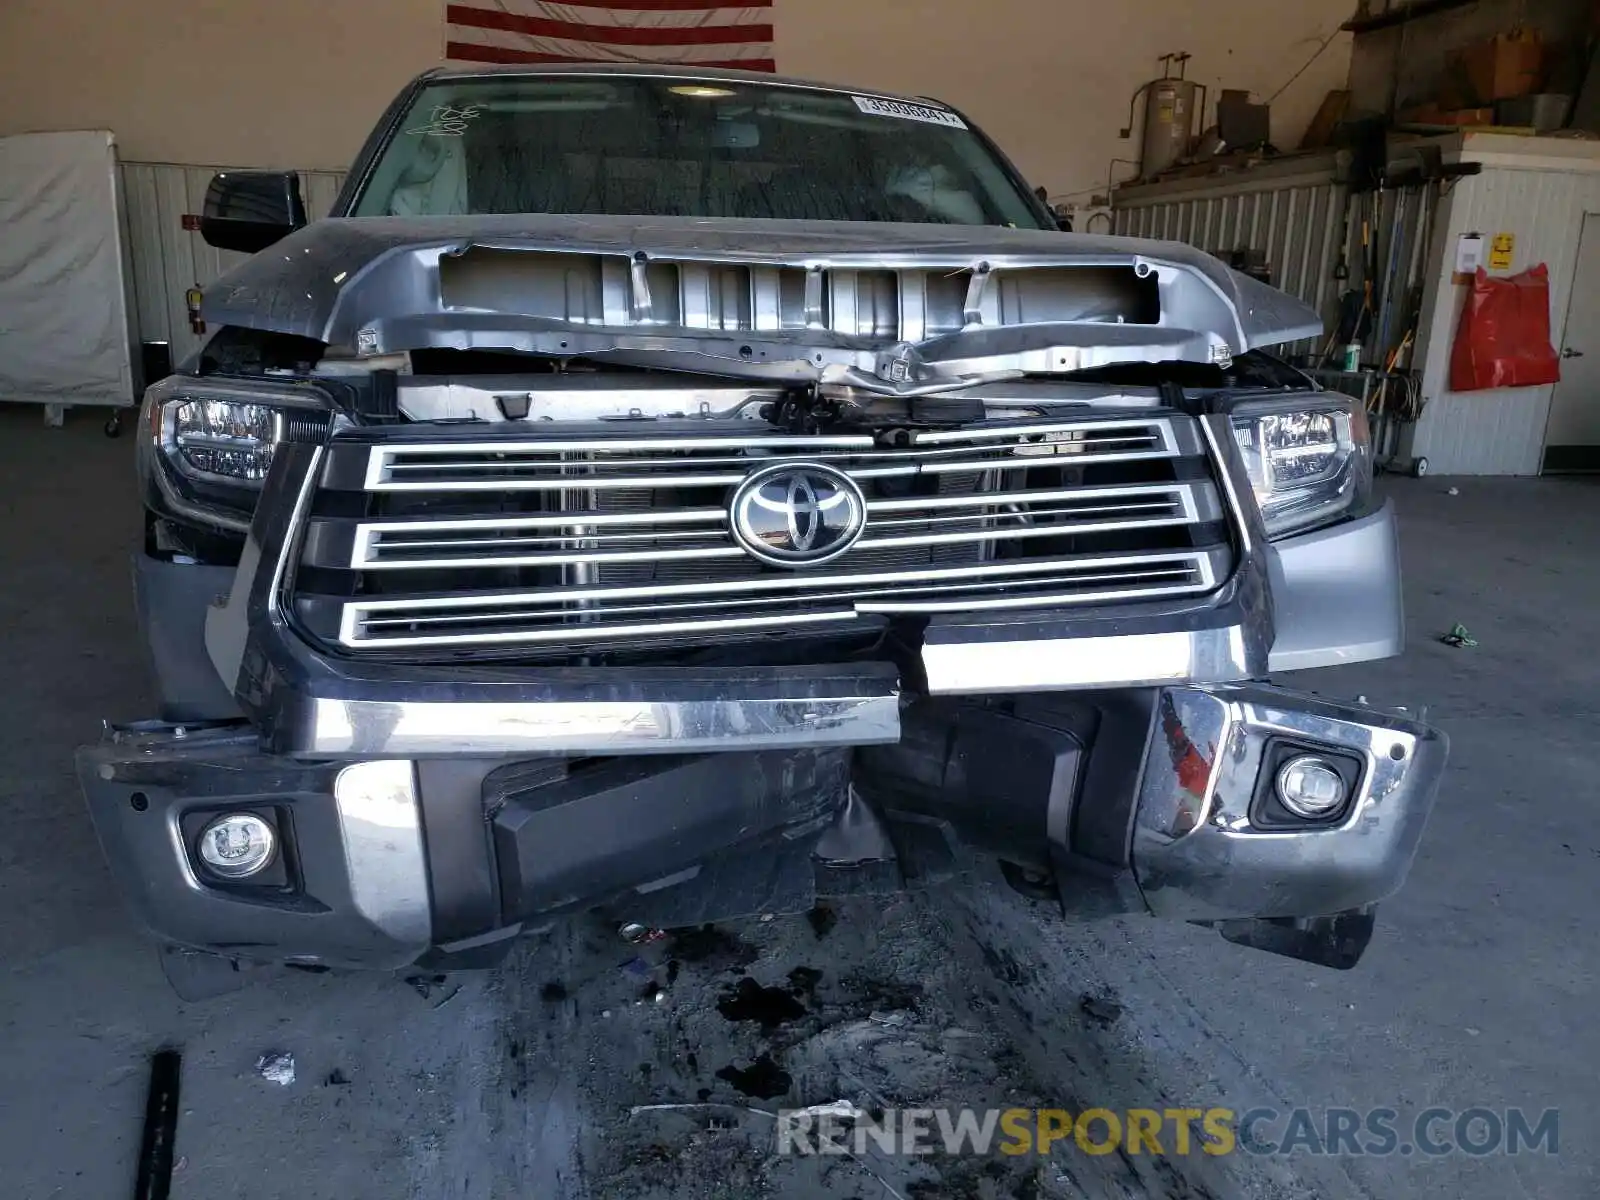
1309,458
224,439
211,441
225,431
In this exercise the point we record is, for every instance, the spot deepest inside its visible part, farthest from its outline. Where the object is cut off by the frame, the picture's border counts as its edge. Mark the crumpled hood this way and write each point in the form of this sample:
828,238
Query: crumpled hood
888,307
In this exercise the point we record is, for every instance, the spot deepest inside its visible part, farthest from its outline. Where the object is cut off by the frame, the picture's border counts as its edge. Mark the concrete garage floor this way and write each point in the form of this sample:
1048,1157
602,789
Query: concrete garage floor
1479,990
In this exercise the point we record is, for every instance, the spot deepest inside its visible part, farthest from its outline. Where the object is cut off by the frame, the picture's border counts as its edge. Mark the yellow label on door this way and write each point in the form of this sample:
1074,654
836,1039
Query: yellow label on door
1501,251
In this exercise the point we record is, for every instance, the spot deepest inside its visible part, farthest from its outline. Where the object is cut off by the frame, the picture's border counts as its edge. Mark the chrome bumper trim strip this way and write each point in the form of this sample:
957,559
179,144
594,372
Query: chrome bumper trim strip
355,727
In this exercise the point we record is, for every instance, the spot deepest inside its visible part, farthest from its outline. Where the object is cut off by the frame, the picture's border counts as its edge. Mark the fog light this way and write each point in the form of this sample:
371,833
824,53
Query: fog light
1310,787
237,845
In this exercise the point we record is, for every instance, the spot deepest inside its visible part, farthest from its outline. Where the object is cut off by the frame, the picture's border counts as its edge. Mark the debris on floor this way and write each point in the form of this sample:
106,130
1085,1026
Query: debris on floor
887,1065
154,1180
426,985
703,1106
276,1066
635,934
1102,1010
429,986
1459,637
842,1110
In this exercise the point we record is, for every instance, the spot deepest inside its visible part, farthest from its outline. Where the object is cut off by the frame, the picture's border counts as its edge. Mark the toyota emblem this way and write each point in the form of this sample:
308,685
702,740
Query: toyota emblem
797,514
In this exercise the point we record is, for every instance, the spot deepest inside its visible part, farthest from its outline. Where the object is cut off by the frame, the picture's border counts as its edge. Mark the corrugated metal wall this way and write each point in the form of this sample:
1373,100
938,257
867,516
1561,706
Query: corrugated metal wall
1295,221
1498,432
167,259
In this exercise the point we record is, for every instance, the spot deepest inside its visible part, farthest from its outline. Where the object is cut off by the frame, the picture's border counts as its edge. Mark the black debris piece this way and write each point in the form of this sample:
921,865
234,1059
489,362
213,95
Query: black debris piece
154,1181
1103,1010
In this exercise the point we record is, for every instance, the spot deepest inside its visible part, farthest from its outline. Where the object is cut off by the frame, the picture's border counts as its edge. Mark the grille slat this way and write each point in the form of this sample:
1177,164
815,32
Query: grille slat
601,540
551,617
514,457
997,517
1175,572
705,462
610,540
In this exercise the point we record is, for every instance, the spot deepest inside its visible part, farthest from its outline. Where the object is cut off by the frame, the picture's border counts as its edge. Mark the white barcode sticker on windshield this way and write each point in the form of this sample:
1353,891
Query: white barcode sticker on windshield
879,107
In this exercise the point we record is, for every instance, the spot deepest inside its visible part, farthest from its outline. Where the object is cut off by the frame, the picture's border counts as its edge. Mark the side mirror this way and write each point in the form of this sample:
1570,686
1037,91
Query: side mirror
249,210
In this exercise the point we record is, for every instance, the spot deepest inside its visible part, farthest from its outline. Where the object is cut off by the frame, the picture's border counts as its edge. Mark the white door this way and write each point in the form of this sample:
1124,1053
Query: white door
1572,438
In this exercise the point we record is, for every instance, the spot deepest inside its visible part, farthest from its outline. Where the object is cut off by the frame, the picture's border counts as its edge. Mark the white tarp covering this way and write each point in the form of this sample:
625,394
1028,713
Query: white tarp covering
63,308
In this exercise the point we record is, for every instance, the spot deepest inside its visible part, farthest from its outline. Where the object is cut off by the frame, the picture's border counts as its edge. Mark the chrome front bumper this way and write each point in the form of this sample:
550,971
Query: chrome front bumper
388,858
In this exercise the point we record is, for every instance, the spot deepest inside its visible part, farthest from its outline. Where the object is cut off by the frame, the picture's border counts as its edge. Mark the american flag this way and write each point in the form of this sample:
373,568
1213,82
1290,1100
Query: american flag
700,33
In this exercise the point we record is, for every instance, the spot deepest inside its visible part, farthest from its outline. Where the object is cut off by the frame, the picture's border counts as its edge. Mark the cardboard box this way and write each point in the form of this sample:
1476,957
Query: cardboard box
1505,67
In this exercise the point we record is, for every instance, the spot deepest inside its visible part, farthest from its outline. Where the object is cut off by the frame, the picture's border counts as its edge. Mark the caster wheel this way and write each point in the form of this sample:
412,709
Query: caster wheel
1419,468
113,426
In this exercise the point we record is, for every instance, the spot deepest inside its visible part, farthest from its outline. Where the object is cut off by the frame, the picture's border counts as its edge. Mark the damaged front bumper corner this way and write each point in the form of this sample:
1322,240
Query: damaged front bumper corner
1212,841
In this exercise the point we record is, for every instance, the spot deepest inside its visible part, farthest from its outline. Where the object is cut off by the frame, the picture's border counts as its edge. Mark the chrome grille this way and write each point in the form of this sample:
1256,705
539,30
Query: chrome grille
607,538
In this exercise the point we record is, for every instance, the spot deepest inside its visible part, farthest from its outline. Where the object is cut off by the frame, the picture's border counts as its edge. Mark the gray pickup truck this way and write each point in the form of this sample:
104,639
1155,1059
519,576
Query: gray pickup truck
686,494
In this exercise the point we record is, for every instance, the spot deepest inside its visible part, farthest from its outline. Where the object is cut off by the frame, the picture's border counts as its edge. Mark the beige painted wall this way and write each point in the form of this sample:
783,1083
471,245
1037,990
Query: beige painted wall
298,82
261,83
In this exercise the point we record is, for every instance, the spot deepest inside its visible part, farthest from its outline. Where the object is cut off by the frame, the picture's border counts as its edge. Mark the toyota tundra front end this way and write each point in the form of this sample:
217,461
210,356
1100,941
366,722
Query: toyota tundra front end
690,494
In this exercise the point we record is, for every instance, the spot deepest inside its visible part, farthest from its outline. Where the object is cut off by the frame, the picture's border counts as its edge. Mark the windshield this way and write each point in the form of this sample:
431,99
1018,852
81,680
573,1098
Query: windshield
696,148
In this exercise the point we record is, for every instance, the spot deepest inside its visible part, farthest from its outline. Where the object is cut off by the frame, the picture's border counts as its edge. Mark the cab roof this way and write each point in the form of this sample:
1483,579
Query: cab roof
687,71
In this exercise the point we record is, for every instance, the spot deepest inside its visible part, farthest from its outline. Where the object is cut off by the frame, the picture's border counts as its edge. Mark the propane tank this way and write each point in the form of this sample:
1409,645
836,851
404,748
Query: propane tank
1172,104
